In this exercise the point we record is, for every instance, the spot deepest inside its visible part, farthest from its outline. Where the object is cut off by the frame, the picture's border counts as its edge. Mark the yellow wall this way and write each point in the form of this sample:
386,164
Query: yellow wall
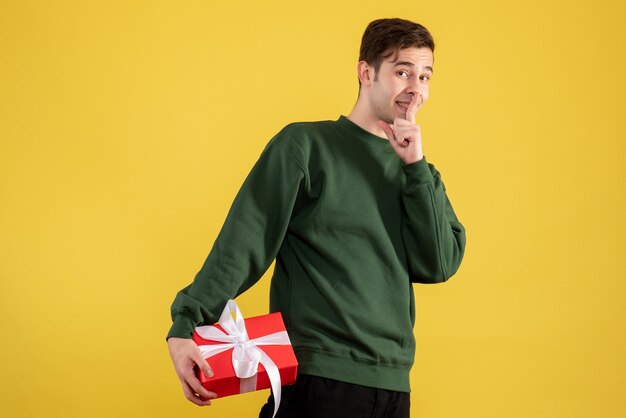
126,129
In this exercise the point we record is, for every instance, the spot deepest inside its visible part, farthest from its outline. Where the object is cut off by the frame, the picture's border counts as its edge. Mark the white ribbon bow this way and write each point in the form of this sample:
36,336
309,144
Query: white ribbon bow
246,355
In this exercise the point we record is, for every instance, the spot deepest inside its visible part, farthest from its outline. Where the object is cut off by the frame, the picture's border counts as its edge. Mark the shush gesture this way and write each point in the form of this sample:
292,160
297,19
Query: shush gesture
404,135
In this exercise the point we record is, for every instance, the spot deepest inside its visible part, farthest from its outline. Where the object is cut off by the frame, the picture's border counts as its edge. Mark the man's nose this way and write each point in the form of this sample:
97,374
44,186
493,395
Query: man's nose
415,92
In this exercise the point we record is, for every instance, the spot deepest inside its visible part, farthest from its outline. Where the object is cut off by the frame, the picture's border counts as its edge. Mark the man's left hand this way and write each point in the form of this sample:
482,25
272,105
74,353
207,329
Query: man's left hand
404,135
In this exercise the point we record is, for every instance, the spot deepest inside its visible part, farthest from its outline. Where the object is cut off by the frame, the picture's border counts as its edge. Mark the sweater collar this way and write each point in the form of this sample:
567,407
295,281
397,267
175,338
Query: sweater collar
365,136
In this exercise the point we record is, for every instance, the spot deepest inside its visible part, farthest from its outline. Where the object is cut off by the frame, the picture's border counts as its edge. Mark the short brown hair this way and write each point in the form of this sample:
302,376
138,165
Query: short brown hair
383,37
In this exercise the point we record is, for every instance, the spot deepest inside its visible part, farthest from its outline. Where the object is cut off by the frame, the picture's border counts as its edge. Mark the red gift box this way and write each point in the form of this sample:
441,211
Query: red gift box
225,381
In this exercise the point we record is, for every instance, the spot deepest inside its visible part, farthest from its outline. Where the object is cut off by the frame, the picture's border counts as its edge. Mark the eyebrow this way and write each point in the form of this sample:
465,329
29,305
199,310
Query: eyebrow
410,64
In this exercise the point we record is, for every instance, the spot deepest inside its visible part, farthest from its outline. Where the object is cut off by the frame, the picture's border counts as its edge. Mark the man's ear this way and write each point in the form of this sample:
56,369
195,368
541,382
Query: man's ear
365,72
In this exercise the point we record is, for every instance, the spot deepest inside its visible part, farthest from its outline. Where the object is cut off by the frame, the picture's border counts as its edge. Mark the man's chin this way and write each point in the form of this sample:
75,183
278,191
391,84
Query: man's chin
391,116
389,119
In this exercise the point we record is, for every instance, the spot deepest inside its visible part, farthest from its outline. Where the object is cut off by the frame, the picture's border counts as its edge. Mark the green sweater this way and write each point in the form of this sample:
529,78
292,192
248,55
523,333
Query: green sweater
351,228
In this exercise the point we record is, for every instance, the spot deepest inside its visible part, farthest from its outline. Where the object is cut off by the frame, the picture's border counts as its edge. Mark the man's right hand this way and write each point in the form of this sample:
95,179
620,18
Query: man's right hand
185,355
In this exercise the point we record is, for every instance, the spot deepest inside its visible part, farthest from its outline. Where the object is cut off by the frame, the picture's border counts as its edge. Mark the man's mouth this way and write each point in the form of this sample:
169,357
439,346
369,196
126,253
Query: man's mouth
403,105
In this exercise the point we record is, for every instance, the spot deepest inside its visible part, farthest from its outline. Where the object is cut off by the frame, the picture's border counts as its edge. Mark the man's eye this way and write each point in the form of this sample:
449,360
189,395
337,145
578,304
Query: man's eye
403,72
425,77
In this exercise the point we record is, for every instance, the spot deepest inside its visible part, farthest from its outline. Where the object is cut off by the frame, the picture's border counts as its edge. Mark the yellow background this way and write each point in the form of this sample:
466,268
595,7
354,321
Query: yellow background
127,128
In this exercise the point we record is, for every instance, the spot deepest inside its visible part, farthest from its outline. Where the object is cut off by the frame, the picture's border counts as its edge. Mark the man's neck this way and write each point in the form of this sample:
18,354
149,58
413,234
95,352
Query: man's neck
362,117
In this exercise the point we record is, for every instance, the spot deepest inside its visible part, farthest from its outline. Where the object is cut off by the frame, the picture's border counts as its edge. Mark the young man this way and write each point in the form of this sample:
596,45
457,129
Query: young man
353,215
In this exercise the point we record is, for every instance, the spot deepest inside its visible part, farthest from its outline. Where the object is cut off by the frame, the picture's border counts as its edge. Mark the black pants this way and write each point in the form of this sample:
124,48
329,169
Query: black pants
318,397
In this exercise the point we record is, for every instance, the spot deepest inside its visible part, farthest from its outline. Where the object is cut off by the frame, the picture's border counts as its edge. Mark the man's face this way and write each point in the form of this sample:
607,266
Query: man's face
402,75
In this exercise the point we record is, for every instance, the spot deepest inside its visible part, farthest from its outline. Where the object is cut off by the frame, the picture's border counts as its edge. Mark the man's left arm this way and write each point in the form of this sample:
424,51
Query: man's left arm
433,237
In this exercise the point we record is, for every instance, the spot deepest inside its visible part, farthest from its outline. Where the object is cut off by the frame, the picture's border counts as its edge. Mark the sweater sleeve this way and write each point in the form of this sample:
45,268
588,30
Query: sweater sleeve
247,243
433,236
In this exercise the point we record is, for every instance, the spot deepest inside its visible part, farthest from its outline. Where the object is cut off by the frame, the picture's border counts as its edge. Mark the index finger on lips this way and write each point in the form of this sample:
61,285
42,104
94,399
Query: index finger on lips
412,109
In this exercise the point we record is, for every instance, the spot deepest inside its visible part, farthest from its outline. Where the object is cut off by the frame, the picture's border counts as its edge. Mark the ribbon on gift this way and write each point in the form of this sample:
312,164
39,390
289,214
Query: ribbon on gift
246,353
